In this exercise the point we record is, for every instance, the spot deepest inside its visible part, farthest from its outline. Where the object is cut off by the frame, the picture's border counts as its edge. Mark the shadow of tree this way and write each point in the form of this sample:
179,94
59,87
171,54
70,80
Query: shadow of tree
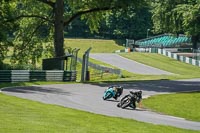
157,85
36,89
120,42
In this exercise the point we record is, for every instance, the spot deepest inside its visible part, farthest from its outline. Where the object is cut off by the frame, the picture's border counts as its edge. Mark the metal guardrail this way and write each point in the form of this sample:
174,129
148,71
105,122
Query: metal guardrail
179,57
36,75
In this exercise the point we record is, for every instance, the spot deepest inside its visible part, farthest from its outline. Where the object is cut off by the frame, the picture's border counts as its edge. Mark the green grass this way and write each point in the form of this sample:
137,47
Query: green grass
22,116
98,45
182,70
185,105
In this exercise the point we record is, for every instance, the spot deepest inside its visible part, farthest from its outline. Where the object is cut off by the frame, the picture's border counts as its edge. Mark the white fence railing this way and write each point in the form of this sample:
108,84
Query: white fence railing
179,57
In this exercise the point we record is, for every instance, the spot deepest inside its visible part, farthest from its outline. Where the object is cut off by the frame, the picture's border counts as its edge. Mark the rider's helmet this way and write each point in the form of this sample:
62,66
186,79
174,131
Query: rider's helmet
139,95
140,92
119,89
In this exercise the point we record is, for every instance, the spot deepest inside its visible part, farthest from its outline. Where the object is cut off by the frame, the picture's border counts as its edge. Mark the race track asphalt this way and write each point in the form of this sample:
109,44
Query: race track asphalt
88,97
127,64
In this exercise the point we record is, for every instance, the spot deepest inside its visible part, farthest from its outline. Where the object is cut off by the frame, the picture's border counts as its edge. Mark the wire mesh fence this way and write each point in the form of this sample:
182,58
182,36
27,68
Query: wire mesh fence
102,70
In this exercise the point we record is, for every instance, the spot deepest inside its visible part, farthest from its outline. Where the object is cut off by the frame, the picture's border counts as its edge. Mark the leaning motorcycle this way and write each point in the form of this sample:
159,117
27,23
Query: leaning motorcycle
112,92
130,100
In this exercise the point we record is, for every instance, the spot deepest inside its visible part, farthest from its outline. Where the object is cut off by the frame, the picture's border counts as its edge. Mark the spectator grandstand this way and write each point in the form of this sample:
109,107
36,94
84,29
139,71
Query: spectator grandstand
163,41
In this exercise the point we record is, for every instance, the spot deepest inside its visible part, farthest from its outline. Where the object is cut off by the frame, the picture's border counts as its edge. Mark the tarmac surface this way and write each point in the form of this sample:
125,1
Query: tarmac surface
88,97
127,64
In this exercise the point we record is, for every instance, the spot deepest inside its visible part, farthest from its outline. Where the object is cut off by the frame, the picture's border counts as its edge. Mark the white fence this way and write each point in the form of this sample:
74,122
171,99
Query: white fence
179,57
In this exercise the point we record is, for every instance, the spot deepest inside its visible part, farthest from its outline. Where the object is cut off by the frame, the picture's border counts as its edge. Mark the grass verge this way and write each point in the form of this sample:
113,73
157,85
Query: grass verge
98,45
185,105
182,70
22,116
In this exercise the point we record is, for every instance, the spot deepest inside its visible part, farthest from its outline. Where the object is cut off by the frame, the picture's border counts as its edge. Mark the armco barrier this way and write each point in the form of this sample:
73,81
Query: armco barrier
36,75
179,57
20,75
5,76
69,76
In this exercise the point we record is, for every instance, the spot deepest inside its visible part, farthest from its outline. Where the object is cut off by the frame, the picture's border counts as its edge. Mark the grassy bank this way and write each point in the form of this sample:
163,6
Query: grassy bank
185,105
182,70
98,45
22,116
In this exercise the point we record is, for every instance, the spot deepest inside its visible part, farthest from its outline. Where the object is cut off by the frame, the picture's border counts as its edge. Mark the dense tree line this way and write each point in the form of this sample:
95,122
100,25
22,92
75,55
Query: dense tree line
40,21
178,17
31,27
131,24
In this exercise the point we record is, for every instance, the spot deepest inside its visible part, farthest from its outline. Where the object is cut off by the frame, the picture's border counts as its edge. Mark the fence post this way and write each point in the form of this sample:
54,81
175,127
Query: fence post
85,72
74,59
83,69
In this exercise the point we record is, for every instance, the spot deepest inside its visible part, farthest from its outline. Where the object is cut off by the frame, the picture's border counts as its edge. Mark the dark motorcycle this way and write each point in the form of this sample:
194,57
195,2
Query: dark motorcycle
130,100
113,92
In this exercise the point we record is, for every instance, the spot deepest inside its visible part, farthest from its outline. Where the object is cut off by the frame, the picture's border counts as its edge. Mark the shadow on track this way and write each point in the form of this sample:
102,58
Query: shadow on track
157,85
36,89
111,100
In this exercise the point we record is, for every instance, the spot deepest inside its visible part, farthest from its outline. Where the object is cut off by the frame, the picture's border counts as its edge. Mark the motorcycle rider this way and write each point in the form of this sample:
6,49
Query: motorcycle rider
118,90
138,97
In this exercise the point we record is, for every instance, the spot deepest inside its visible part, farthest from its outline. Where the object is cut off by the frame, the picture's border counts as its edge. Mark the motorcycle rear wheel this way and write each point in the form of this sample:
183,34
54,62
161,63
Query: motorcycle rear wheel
118,105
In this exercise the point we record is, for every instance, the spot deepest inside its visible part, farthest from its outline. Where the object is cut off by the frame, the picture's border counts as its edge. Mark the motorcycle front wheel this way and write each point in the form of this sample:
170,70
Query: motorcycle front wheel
125,103
107,96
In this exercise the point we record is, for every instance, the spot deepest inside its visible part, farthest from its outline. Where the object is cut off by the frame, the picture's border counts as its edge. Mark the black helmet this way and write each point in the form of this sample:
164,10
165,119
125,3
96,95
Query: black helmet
140,92
121,87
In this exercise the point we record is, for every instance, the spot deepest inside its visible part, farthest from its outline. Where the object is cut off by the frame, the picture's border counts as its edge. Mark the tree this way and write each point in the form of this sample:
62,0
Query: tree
177,16
22,30
5,29
118,24
54,16
131,24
